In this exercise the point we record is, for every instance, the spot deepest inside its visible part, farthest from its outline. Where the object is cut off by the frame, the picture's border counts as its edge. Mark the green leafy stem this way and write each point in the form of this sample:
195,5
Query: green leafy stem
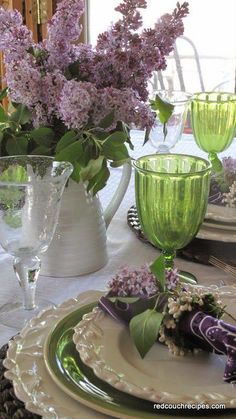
91,150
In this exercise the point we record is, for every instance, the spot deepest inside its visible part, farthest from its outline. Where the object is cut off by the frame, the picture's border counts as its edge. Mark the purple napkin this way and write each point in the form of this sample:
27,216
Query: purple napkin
198,329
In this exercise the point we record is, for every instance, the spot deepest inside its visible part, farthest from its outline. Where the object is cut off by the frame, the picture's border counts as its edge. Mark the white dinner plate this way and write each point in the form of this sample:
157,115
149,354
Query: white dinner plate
27,370
105,345
217,225
220,213
223,235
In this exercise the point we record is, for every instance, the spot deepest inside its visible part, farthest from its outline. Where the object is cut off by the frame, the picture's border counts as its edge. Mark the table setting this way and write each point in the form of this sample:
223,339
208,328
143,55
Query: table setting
120,324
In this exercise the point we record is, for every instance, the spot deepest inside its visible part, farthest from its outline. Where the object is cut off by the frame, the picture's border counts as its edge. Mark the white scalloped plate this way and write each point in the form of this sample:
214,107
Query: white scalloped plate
27,370
220,213
209,233
105,345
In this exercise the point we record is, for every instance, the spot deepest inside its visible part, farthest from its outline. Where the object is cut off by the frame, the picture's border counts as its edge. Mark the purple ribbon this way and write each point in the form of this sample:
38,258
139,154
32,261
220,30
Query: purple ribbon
199,329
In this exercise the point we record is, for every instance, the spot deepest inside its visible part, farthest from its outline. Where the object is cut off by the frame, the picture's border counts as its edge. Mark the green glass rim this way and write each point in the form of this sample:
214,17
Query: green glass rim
173,174
224,97
178,101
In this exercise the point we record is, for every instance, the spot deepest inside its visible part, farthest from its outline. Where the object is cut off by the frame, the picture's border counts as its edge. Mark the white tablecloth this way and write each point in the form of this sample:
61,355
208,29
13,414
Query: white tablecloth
123,247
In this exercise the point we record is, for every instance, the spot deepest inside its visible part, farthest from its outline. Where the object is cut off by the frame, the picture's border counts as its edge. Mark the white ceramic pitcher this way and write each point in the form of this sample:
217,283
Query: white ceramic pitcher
79,243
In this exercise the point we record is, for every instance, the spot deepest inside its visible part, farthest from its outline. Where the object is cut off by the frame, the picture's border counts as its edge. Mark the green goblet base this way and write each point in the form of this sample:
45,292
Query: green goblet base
187,277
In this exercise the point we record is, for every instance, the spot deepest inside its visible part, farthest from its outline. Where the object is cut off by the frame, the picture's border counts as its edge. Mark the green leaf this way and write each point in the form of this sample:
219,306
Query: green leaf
69,138
99,180
144,330
119,163
3,93
164,109
114,148
146,138
158,269
125,128
17,146
107,121
71,153
3,115
76,173
43,136
116,138
41,150
128,300
17,173
21,116
93,167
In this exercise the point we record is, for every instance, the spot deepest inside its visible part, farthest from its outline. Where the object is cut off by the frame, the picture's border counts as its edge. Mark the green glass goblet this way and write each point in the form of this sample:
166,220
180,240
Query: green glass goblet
171,198
213,116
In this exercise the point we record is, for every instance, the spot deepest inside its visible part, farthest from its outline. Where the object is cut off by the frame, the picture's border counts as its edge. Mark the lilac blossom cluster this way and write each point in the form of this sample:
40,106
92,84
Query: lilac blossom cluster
172,278
140,282
112,76
133,282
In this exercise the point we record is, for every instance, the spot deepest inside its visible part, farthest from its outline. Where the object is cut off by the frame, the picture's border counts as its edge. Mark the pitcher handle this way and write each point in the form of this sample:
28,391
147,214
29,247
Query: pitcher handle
117,197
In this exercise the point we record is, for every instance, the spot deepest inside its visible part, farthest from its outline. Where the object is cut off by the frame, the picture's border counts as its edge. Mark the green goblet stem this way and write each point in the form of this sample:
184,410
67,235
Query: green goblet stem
217,166
169,258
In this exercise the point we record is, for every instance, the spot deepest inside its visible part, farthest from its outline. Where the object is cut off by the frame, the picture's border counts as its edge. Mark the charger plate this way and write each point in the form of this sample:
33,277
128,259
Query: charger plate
105,345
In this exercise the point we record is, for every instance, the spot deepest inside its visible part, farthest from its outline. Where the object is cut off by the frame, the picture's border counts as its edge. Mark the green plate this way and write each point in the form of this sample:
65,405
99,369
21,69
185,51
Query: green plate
78,381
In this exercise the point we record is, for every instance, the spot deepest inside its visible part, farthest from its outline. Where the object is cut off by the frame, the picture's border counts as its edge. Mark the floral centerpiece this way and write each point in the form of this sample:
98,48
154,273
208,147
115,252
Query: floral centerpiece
159,307
75,101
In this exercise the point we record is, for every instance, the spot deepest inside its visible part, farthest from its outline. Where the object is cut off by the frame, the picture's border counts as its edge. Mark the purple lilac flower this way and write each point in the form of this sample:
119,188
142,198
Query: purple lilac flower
126,105
15,38
64,30
76,102
172,278
125,58
112,76
24,82
131,282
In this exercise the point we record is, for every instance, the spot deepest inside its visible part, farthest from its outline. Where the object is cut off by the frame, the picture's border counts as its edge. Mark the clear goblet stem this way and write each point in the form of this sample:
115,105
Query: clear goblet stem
27,272
169,259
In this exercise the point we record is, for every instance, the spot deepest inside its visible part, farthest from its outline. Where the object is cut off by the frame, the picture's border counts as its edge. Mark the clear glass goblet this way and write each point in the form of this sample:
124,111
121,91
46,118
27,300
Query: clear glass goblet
163,140
30,192
171,198
213,117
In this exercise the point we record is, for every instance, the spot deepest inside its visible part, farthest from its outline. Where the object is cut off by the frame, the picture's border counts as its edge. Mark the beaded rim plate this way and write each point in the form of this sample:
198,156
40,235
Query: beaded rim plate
106,346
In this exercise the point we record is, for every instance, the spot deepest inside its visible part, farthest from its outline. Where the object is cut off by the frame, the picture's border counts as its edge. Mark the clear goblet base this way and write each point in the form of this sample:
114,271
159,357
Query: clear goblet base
13,314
